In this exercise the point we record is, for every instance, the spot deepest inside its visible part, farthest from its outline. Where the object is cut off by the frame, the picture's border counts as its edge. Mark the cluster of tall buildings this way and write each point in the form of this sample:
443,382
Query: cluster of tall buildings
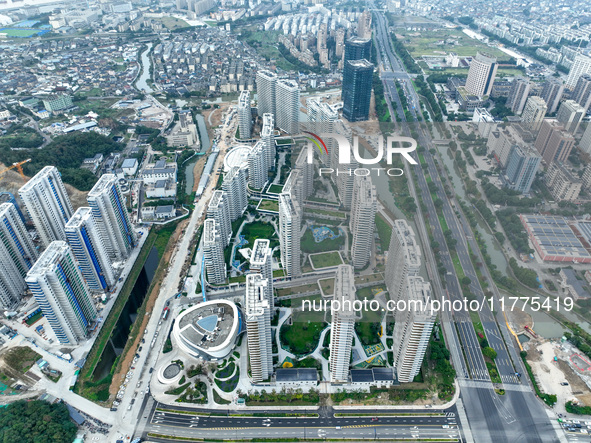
80,249
280,98
413,327
357,79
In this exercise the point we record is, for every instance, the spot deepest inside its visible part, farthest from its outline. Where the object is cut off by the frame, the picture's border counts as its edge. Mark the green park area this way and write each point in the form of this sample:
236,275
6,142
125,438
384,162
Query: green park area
14,32
326,259
302,337
310,246
268,205
384,232
442,41
173,23
275,189
369,327
259,229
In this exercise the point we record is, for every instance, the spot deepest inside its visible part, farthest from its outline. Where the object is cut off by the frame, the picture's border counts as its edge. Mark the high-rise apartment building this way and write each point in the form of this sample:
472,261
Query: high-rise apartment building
585,142
17,255
518,94
522,165
358,48
570,114
48,204
111,216
404,259
258,328
62,294
289,235
363,212
356,92
288,106
581,65
562,184
412,330
321,120
268,139
534,113
481,74
261,262
244,115
553,142
552,92
343,324
213,253
84,237
582,92
219,209
364,25
258,174
234,185
266,81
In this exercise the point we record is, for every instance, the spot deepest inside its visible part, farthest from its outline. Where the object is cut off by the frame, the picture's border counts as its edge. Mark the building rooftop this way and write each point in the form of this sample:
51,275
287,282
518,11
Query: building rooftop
296,375
164,209
236,156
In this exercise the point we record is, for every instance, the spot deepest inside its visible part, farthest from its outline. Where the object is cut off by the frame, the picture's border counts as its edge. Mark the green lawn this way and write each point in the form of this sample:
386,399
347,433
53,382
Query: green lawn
326,259
296,290
327,285
269,205
230,384
258,229
20,32
309,246
275,189
384,232
368,294
323,212
174,23
301,337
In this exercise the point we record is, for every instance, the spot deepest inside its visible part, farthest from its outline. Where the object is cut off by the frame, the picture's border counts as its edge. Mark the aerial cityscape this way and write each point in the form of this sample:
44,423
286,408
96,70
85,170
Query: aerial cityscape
253,221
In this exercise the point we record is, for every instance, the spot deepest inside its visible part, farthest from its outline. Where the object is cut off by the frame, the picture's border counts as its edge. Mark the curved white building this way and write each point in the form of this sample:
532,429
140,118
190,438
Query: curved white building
208,329
236,156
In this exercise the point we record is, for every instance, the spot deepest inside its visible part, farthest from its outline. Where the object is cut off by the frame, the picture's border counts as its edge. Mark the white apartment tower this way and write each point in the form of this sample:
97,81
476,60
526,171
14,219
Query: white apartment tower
582,92
266,81
481,74
552,92
534,113
289,235
111,217
213,253
219,209
261,262
321,120
580,66
258,172
17,255
343,324
234,185
48,204
85,239
62,294
412,331
404,259
288,112
258,328
363,212
244,116
570,114
518,94
585,143
268,139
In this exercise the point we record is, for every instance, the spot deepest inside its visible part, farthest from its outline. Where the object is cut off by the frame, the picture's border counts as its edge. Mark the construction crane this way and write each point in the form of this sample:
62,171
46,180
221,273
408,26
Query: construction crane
18,166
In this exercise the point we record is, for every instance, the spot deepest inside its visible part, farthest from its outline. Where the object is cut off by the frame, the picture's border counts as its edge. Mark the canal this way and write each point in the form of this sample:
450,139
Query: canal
120,333
142,83
204,147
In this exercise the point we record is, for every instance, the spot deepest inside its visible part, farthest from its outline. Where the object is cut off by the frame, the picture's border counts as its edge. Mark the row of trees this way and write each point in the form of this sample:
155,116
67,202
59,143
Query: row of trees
426,92
528,277
514,230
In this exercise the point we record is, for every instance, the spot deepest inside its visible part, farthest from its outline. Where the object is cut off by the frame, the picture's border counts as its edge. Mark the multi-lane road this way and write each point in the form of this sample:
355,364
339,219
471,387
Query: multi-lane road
518,415
323,422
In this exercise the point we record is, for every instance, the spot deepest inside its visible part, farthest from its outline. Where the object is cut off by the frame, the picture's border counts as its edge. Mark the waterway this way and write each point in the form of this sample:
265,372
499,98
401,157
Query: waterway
142,83
204,147
122,328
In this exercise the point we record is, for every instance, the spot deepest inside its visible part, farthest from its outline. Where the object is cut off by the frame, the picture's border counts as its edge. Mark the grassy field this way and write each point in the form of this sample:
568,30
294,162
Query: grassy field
309,246
441,41
265,43
258,229
269,205
302,337
20,32
327,285
325,213
296,290
275,189
173,23
326,259
384,232
368,294
21,358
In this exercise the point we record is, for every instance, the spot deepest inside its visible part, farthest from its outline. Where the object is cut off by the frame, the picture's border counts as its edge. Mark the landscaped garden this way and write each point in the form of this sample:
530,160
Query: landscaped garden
326,259
322,241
